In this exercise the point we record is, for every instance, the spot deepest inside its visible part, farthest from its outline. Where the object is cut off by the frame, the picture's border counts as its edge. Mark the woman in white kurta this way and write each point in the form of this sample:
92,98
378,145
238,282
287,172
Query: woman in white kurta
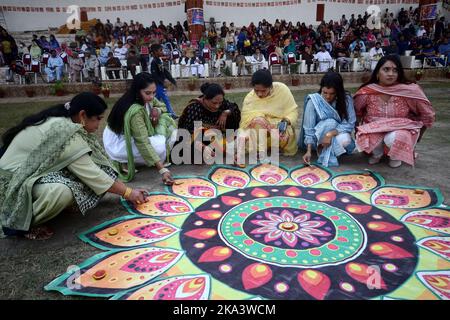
140,131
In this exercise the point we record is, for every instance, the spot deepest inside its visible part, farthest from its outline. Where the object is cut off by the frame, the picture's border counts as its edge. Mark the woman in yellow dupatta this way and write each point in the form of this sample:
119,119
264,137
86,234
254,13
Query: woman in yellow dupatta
265,108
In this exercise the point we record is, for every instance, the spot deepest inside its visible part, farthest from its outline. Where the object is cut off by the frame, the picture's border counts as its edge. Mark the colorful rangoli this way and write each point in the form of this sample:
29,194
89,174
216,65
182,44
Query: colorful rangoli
273,233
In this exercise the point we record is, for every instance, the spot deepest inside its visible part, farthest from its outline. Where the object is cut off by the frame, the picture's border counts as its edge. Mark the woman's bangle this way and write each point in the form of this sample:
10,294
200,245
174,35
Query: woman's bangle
127,192
163,170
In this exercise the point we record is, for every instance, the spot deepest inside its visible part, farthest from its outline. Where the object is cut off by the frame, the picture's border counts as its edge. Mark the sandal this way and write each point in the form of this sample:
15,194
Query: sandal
39,233
239,165
124,167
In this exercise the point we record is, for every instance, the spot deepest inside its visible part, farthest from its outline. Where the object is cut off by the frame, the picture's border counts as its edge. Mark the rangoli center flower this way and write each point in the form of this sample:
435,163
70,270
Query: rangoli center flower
290,228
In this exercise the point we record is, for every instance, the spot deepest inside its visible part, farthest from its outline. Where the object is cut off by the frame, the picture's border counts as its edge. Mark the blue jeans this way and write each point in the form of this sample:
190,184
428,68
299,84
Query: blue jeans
161,95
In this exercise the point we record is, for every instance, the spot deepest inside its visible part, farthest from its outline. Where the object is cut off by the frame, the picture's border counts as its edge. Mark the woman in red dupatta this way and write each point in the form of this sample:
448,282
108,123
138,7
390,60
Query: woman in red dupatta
393,113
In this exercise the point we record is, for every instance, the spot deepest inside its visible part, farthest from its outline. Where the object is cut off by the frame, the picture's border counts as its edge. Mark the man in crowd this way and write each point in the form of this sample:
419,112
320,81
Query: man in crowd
120,52
54,68
91,67
76,65
342,56
113,63
324,59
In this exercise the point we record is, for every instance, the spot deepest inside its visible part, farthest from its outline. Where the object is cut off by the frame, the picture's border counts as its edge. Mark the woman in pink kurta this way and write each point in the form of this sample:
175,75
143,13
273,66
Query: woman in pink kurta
394,114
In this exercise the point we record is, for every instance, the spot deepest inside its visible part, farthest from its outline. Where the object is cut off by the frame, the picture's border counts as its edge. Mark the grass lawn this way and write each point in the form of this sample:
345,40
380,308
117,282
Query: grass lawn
13,113
27,266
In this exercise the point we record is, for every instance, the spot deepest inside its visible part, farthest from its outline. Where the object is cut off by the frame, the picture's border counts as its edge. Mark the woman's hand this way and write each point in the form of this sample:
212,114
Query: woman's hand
167,178
166,83
209,153
307,157
326,141
222,121
137,196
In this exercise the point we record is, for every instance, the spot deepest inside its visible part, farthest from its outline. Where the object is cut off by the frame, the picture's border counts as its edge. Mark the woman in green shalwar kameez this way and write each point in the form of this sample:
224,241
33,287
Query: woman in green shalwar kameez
140,131
52,160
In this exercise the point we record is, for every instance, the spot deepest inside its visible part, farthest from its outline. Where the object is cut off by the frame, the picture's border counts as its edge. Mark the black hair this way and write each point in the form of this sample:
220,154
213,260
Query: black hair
155,47
334,80
92,104
211,90
133,95
262,77
396,60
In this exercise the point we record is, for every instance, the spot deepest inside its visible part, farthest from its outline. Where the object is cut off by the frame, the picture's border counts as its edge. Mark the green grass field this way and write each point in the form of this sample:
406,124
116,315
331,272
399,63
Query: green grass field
13,113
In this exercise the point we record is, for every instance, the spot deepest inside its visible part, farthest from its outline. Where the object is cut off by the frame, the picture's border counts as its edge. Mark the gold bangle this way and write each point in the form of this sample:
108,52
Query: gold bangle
127,192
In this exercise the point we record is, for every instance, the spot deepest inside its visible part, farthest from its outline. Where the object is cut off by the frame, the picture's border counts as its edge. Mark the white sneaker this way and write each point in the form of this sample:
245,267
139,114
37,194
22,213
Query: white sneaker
374,160
394,163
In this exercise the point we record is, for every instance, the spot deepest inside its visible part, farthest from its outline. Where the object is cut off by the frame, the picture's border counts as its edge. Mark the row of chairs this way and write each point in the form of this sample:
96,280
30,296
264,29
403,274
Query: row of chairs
289,65
36,67
411,62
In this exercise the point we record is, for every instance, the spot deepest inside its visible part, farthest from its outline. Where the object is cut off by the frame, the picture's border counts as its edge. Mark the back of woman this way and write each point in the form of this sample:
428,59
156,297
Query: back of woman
26,141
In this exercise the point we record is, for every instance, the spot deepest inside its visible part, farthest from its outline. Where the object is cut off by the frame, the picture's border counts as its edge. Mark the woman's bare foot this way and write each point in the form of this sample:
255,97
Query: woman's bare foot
39,233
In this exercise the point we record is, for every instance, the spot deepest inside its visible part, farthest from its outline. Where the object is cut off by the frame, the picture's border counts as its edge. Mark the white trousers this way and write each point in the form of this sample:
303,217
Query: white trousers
388,140
344,139
197,69
116,148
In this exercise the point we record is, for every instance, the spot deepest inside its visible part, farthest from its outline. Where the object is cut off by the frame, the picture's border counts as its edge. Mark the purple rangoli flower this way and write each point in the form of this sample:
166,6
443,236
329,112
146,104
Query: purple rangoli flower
290,228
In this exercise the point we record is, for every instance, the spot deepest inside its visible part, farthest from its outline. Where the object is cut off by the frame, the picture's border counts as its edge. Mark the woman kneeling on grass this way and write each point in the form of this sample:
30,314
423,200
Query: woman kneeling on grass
140,131
51,160
328,122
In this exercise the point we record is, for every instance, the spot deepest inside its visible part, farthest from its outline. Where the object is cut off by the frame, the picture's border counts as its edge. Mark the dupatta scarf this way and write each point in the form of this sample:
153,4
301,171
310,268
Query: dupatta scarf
371,134
328,120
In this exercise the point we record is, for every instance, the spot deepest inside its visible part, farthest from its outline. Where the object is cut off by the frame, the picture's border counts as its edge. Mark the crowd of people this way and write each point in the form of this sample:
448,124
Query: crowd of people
53,159
123,45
